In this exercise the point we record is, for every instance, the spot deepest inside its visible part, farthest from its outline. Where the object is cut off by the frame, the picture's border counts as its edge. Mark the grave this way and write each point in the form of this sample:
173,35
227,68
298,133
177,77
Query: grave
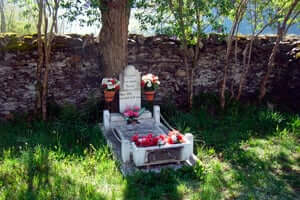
119,134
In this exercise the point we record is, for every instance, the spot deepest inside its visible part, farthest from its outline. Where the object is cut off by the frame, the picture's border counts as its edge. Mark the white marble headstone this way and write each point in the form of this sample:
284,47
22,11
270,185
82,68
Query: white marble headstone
130,88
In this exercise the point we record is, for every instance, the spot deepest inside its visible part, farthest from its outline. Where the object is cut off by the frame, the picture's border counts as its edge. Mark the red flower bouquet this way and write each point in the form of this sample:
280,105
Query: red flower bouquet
173,137
145,141
110,84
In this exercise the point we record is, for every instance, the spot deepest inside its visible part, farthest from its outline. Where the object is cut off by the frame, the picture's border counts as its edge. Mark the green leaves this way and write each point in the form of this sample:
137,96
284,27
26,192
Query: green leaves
196,16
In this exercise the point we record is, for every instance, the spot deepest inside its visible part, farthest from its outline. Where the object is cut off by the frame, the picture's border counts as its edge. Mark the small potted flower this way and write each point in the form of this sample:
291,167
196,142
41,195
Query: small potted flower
110,86
150,83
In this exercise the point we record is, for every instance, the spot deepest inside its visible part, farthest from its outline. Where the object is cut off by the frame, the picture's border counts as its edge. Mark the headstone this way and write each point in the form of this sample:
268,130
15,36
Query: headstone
130,88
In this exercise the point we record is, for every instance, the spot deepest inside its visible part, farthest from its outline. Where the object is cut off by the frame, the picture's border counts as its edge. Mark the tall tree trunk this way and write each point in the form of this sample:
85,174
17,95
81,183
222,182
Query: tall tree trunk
3,21
40,64
223,83
114,36
239,13
47,49
246,67
281,30
263,89
195,58
189,71
46,65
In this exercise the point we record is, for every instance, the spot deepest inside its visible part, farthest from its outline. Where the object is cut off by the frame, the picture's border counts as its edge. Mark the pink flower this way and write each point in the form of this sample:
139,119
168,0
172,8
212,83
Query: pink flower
136,108
135,114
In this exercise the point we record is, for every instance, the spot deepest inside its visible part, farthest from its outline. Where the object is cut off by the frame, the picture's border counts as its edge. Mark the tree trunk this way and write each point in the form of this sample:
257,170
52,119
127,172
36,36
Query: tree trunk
46,69
263,89
189,71
281,30
246,67
239,13
114,36
3,21
40,64
47,51
223,84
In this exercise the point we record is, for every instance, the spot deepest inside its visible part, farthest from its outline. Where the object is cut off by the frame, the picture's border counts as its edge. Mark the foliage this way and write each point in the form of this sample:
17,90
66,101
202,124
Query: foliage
86,12
20,16
158,15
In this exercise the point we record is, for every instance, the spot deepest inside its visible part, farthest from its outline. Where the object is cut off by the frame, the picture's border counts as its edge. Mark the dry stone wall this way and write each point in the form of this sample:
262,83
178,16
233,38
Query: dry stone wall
76,73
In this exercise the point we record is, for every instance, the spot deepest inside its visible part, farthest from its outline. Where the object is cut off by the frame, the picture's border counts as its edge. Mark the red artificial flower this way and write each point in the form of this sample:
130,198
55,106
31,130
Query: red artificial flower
143,83
155,141
180,138
162,137
170,141
113,81
148,140
117,87
135,139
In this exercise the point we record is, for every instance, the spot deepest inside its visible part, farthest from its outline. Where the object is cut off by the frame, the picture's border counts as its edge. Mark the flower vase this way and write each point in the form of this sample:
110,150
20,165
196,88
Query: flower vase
149,95
109,95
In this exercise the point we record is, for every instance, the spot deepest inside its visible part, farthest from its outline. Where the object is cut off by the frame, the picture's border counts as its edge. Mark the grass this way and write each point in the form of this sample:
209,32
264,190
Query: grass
246,152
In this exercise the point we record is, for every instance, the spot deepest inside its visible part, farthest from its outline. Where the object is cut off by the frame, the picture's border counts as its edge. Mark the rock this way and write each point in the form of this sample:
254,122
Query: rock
8,56
180,73
140,39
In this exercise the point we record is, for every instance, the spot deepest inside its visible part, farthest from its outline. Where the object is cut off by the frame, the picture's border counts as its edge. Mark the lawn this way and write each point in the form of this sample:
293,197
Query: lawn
246,152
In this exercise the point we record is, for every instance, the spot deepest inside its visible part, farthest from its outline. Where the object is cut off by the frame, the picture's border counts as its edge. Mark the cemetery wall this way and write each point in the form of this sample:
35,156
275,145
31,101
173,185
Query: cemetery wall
75,74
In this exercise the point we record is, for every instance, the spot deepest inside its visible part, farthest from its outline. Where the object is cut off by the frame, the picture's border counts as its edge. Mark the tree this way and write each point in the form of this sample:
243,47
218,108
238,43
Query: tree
288,11
22,16
186,19
238,11
3,21
47,9
114,17
259,17
114,36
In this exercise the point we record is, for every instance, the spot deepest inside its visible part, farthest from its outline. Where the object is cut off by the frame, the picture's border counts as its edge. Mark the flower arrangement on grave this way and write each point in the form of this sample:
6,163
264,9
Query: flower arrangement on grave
131,115
150,83
173,137
110,86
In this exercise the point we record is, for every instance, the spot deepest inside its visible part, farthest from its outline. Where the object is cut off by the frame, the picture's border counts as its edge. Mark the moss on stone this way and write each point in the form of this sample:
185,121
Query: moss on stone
28,36
16,44
8,34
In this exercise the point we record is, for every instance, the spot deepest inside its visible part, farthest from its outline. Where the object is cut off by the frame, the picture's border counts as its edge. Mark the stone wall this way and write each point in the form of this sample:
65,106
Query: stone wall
75,74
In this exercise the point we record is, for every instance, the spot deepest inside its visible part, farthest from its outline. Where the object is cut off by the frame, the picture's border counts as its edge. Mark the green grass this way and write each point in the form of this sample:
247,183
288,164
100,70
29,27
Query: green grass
246,152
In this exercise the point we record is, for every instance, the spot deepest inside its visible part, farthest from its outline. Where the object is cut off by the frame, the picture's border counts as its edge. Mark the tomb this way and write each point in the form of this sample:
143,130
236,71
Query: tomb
119,133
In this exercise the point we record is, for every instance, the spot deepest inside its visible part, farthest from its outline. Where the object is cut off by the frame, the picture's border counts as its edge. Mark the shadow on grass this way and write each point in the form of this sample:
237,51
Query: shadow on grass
225,136
40,180
152,186
253,174
260,178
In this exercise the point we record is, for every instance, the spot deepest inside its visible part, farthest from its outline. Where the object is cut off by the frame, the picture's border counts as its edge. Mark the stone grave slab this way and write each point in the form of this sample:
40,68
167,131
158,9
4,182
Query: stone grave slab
119,134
